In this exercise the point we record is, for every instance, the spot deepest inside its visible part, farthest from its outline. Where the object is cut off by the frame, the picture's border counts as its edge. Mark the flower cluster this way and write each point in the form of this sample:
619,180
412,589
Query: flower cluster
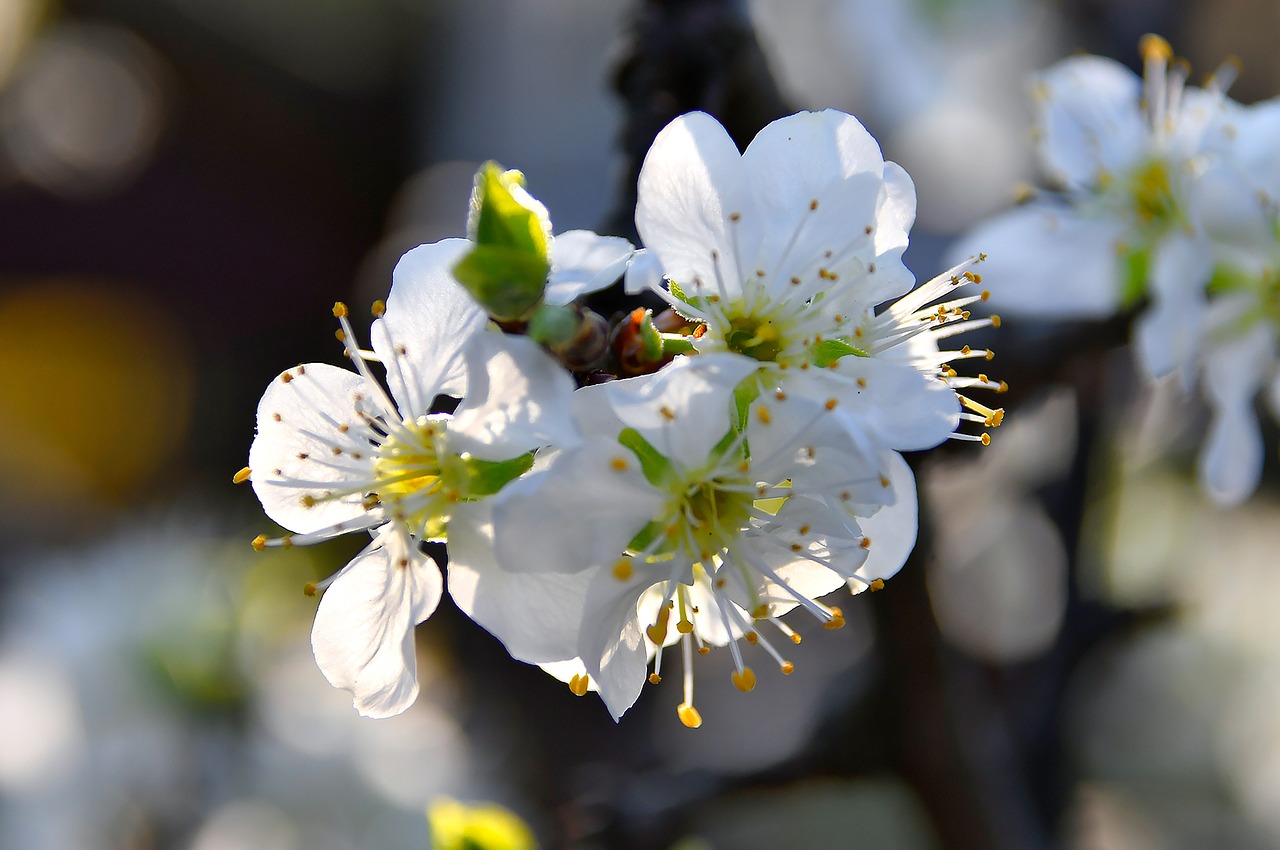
1169,201
682,479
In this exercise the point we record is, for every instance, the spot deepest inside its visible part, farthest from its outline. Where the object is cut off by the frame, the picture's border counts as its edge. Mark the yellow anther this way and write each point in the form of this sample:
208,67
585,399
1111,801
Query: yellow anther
654,678
813,205
341,335
689,715
667,413
762,413
259,543
735,216
379,307
884,482
745,680
788,668
339,310
1154,48
704,649
1003,388
995,320
990,354
795,638
308,500
309,589
986,439
619,464
241,476
578,685
795,281
831,403
876,584
286,377
966,350
684,627
986,294
751,638
622,569
836,621
866,543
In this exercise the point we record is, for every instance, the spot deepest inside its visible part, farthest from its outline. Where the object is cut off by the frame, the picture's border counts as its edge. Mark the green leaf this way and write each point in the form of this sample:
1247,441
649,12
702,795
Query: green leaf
830,350
1229,279
657,469
486,477
1134,269
743,394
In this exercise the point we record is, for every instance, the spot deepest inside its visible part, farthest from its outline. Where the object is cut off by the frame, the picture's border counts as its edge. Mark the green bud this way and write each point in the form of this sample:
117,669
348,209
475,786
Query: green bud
506,271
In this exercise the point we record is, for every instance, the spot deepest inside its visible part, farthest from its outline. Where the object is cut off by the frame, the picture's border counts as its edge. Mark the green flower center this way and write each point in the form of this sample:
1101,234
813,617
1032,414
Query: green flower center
756,337
413,481
1151,192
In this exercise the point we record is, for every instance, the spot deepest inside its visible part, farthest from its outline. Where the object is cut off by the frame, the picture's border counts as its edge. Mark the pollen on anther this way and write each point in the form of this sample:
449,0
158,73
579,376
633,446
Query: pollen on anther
762,413
884,481
751,638
831,404
986,294
622,569
836,621
689,715
241,476
308,500
867,230
618,464
259,543
667,413
309,589
286,377
787,668
339,310
379,307
862,383
866,543
578,685
876,584
341,335
745,680
654,678
986,439
813,205
995,321
795,281
704,650
734,216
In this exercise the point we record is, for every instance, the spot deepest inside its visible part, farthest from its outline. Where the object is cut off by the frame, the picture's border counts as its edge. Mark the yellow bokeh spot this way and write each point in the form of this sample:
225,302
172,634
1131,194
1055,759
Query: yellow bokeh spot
458,826
97,395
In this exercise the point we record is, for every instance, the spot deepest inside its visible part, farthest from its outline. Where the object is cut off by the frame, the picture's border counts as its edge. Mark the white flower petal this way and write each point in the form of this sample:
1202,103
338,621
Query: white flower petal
816,180
611,642
892,529
583,262
292,457
1231,459
1047,262
1169,333
684,408
644,273
428,320
1089,119
517,398
363,632
690,183
599,485
536,615
893,404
